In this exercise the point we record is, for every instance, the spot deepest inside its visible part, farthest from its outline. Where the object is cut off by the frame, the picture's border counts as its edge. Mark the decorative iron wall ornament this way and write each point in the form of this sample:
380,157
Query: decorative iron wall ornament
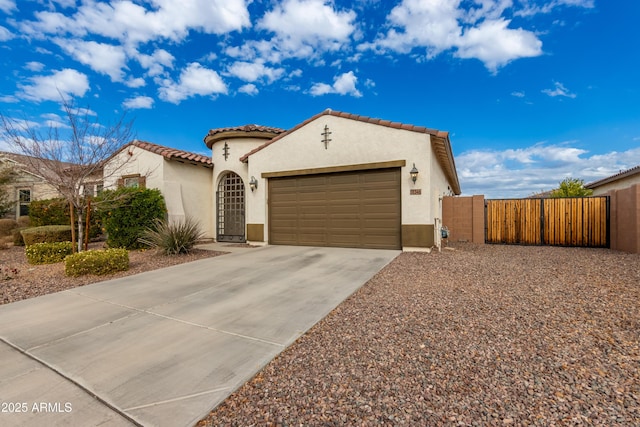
225,151
325,136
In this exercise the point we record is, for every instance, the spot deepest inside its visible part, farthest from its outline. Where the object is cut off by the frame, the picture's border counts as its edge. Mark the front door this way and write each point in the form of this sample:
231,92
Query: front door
230,209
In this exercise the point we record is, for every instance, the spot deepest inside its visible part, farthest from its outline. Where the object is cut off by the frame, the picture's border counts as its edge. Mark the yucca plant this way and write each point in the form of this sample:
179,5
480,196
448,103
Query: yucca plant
172,237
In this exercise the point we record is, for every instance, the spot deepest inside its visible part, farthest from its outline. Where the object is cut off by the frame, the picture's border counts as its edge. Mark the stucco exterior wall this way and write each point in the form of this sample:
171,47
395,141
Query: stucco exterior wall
625,219
188,191
185,187
464,217
40,189
237,147
352,142
140,161
617,185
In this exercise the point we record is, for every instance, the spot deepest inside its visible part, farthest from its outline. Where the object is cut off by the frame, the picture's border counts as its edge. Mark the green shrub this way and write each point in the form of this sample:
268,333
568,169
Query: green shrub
172,238
17,236
48,253
97,262
56,212
127,212
7,226
49,212
46,234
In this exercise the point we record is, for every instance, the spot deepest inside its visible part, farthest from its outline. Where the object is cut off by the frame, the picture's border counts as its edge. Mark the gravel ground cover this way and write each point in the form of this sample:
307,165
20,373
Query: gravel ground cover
20,280
482,335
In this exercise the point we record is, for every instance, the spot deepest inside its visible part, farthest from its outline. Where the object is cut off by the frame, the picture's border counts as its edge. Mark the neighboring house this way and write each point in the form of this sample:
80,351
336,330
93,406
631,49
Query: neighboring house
623,179
30,182
183,178
336,179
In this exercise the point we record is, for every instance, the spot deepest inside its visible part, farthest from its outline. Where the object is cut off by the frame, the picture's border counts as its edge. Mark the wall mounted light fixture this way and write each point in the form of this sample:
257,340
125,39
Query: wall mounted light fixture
253,184
414,173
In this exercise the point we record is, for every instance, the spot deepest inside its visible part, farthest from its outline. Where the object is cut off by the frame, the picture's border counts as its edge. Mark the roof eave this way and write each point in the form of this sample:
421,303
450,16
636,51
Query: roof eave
211,139
441,145
440,138
624,174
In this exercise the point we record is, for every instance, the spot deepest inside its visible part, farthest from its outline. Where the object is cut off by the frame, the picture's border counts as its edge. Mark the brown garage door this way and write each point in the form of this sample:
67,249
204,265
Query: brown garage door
348,209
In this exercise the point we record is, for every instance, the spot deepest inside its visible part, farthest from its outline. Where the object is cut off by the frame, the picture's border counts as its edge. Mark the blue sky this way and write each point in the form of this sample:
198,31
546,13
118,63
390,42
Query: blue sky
530,91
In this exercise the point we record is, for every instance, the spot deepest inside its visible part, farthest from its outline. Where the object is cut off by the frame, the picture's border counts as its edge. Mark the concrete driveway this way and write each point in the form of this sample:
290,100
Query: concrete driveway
165,347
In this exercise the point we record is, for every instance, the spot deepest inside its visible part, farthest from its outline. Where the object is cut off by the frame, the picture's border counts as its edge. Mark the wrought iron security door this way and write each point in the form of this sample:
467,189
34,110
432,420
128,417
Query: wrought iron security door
230,209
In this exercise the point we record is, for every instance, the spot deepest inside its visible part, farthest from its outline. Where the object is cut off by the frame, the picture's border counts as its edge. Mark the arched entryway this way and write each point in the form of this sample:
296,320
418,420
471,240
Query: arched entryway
230,209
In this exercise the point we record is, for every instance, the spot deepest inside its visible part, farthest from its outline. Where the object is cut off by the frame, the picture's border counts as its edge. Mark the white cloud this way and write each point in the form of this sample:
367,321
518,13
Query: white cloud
559,90
63,83
9,99
34,66
249,89
133,23
305,28
157,62
295,73
8,6
100,57
496,45
54,121
136,82
534,9
194,80
433,24
138,102
320,89
48,23
66,3
525,171
518,94
442,25
344,84
253,71
5,34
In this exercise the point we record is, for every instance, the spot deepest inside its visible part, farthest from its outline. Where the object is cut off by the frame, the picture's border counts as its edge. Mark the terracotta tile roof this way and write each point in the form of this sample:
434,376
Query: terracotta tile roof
329,112
255,131
441,143
172,153
247,128
43,168
620,175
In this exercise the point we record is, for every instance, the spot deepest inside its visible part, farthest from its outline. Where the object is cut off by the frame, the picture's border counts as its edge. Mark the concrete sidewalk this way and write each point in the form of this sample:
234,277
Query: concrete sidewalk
165,347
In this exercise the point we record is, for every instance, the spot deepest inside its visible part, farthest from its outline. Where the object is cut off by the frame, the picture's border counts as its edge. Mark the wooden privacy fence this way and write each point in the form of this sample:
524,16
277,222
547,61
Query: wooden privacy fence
579,221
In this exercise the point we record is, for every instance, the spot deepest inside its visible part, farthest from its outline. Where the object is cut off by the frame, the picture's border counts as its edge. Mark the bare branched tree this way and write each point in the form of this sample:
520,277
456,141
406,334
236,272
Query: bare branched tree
69,156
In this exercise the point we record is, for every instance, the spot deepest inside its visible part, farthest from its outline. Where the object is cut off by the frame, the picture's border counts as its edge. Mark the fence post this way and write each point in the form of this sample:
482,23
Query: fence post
542,241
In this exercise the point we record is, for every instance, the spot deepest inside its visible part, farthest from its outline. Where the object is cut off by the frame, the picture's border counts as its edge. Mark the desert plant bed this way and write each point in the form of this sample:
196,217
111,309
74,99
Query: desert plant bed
20,280
483,335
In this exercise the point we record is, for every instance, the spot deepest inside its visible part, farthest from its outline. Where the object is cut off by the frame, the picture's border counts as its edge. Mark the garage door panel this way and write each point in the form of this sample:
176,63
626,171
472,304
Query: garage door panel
380,176
307,239
341,224
380,242
352,209
340,196
379,193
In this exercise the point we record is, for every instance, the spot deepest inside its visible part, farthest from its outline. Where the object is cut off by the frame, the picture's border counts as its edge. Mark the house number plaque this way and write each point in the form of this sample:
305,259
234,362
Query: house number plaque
415,191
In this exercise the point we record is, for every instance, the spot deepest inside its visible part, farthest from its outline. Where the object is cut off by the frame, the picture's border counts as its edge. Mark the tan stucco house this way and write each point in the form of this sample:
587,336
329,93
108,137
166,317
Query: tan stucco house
336,179
30,181
619,181
183,178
